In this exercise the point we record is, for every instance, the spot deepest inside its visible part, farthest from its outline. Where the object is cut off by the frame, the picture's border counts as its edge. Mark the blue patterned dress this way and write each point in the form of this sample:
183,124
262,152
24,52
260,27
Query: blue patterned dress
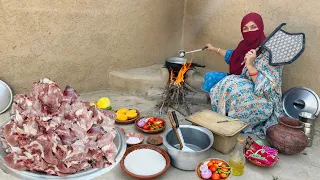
212,78
257,103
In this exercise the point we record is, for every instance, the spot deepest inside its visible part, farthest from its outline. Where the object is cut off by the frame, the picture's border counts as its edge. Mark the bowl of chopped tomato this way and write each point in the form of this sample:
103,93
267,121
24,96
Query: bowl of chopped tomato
214,169
150,124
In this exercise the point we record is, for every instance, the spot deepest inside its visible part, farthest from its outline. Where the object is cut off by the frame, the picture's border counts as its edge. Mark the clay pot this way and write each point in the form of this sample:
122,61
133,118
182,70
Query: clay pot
287,136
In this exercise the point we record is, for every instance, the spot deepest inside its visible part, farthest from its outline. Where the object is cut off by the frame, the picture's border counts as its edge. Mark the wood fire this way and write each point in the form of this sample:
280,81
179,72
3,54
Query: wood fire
180,78
175,92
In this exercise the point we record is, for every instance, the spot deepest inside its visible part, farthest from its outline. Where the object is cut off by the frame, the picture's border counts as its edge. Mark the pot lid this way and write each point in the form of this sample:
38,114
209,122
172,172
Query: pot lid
300,99
176,60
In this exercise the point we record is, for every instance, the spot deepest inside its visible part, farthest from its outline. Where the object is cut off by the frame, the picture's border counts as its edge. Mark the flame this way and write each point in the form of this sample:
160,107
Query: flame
180,78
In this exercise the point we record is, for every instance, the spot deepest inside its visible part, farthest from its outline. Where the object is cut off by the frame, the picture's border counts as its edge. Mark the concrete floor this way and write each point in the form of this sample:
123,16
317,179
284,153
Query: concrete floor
304,165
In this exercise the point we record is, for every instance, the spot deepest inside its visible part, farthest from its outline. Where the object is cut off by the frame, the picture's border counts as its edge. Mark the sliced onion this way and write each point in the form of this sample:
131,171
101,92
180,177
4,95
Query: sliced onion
144,119
141,123
206,174
203,167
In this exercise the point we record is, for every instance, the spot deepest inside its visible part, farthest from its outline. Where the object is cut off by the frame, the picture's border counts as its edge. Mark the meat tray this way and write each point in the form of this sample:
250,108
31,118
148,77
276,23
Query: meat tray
119,141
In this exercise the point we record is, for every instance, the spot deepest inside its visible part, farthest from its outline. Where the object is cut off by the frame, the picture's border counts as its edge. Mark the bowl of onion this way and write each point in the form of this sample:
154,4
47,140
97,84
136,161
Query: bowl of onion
150,124
213,168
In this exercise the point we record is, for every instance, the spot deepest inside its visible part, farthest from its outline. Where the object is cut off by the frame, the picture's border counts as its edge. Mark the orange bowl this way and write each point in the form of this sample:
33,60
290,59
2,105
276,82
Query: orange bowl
198,172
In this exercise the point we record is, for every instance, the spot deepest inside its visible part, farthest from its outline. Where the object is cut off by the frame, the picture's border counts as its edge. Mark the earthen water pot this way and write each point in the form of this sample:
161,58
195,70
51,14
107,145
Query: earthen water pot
287,136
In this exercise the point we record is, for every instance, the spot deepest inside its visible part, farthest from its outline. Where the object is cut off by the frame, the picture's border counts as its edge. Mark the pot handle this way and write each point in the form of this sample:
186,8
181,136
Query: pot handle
198,65
299,104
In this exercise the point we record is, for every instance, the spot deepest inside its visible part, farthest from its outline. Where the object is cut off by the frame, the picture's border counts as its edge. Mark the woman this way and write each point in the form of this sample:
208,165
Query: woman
252,93
252,30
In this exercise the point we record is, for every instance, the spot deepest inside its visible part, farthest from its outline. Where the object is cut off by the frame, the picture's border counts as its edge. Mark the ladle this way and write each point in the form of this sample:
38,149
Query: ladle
182,53
175,125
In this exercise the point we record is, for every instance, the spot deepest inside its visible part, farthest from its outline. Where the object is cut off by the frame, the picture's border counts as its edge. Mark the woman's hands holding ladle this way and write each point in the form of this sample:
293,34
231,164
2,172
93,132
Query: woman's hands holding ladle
219,51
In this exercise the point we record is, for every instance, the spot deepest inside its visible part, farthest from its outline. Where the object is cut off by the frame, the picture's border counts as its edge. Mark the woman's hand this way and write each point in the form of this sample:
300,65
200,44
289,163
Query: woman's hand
219,51
210,47
250,57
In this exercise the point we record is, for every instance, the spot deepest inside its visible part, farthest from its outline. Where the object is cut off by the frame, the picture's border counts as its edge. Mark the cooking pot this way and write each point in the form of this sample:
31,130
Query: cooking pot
175,63
6,97
197,138
300,99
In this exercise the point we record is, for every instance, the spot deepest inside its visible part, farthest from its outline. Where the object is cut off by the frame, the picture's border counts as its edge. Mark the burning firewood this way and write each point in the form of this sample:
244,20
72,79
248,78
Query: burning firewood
174,95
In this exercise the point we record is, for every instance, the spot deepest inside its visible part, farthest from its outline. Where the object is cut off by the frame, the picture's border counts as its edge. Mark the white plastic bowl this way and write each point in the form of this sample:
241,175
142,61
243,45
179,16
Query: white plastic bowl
119,141
5,97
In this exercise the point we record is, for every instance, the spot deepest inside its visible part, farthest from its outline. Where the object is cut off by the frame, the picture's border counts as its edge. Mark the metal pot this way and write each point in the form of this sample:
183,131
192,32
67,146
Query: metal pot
197,138
309,123
175,63
6,97
300,99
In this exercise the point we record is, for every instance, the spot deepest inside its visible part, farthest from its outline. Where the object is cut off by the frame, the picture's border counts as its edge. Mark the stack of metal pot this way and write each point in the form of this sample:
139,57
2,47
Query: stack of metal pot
309,123
303,104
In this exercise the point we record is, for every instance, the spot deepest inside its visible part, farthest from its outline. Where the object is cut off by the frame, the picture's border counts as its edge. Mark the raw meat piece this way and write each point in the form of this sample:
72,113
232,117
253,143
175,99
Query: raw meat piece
53,131
70,95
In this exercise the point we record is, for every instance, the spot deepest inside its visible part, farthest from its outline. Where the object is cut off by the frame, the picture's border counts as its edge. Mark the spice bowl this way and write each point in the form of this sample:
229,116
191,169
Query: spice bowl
155,140
134,138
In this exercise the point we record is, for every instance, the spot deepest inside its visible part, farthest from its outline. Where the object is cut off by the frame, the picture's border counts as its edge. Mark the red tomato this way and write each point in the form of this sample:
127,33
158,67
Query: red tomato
151,128
213,161
151,120
215,177
149,123
146,127
223,176
213,169
210,164
216,165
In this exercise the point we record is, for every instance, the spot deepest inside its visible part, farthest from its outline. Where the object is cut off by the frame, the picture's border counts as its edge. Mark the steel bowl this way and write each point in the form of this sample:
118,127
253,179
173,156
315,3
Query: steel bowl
119,141
197,138
5,97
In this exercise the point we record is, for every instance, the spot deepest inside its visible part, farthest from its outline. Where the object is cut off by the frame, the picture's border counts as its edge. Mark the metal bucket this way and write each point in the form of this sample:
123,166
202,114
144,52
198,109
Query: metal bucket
6,97
309,122
197,138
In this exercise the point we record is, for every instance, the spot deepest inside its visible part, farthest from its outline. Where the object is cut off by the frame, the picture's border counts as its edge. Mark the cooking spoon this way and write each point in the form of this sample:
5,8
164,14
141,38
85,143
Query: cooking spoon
175,129
182,53
185,148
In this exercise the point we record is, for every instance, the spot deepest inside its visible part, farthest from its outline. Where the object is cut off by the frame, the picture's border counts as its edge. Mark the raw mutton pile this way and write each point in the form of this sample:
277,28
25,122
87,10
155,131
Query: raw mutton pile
54,132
